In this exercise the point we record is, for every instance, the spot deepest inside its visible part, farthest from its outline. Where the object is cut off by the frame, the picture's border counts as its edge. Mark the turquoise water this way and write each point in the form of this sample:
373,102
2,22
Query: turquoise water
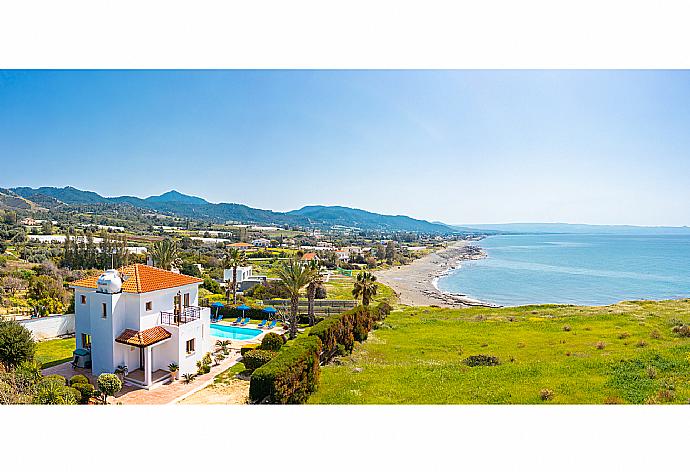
576,269
234,332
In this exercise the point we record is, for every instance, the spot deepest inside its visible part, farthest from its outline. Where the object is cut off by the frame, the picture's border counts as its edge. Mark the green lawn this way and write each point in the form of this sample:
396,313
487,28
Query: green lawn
621,353
341,289
55,351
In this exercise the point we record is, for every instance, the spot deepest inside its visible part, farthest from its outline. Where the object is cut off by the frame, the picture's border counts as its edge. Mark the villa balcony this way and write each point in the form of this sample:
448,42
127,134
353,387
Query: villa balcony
188,314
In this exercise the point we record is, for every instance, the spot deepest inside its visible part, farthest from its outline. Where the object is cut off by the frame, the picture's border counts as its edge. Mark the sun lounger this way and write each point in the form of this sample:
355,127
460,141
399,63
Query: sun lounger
272,325
245,322
220,317
263,323
237,321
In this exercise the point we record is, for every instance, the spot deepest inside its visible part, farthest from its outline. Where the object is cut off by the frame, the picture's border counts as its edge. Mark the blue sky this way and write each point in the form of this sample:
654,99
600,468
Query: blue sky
599,147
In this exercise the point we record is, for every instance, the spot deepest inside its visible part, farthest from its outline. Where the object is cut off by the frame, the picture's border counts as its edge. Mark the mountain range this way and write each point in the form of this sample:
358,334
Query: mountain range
186,206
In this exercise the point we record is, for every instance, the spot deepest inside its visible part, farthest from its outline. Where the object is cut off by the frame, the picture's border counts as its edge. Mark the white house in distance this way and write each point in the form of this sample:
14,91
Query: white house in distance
261,242
144,319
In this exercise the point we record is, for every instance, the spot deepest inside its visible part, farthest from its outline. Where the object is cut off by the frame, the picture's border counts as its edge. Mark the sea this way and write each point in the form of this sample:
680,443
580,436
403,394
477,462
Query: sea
577,269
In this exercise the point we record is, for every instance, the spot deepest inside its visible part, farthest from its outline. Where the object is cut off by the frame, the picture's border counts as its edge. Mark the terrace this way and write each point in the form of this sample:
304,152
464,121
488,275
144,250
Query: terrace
187,315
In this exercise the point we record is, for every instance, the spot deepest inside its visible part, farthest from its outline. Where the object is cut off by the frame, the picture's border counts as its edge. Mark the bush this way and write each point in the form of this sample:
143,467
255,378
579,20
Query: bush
86,390
16,344
481,360
682,330
272,342
566,328
109,384
381,311
291,376
600,345
56,378
74,392
256,358
344,329
248,347
78,379
545,394
231,312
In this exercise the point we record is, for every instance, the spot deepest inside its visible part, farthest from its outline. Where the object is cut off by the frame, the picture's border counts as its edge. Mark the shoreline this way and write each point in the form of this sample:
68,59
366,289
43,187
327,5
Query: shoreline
416,284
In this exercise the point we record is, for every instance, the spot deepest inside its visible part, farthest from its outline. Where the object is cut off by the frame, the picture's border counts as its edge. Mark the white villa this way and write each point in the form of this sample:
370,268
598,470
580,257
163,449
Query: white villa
144,319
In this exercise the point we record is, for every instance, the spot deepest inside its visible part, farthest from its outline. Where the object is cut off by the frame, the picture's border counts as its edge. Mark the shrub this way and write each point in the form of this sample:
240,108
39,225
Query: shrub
78,379
655,334
16,344
682,330
188,378
109,384
291,376
381,311
613,400
545,394
272,342
566,328
641,343
600,345
623,335
56,378
76,393
248,347
86,390
256,358
651,372
345,328
481,360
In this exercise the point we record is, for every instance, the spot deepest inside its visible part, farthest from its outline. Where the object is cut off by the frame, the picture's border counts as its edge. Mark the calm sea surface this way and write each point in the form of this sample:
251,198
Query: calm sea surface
577,269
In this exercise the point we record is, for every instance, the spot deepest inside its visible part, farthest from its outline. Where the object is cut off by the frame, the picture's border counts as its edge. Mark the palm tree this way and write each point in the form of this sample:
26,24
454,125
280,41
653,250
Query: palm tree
294,276
365,287
234,259
315,281
164,253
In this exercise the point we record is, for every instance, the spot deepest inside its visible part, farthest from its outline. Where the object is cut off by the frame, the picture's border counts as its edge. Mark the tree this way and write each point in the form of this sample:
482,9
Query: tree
47,293
315,281
109,385
234,259
365,287
164,253
390,251
13,284
47,227
294,276
16,344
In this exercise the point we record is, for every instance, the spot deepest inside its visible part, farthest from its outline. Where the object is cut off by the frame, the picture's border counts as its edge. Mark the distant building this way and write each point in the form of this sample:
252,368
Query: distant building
310,256
261,242
241,246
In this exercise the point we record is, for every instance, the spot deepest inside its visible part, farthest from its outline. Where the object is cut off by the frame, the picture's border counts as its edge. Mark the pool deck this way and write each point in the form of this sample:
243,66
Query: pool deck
171,391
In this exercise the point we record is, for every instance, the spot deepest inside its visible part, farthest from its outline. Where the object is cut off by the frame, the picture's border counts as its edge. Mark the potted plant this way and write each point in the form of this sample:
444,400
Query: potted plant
173,368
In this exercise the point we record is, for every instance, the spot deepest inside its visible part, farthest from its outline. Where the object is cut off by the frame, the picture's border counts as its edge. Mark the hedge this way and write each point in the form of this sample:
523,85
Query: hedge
257,357
231,313
344,329
86,390
248,347
272,342
291,376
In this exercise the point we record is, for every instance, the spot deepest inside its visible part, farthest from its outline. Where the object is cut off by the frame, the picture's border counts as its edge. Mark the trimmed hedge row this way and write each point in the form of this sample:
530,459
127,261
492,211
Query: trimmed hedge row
291,376
230,313
340,332
255,358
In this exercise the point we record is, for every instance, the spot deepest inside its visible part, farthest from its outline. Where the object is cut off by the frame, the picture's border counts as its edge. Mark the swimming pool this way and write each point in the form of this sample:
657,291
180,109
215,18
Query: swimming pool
234,332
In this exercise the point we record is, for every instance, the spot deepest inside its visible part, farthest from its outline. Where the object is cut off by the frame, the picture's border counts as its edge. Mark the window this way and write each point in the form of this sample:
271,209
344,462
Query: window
85,340
104,310
83,299
186,299
190,346
149,306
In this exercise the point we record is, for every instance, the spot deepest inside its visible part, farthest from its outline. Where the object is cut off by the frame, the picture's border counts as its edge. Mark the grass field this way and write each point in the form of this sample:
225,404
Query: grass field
55,351
624,353
340,288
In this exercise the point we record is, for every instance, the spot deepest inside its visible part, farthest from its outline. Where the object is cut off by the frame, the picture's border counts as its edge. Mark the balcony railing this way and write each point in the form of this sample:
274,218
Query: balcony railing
188,313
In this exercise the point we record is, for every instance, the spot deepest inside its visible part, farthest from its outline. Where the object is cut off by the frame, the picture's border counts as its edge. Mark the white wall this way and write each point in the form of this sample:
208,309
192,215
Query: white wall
50,327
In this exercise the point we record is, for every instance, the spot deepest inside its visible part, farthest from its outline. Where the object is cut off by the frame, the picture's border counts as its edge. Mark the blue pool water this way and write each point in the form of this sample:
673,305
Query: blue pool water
234,332
575,268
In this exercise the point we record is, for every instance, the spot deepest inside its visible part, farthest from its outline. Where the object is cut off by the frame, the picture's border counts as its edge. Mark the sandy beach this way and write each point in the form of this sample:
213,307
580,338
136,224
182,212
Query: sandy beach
415,283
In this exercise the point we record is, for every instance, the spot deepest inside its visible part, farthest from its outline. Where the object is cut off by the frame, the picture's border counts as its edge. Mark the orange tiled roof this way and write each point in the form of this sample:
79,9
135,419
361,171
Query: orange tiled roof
142,278
310,256
143,338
